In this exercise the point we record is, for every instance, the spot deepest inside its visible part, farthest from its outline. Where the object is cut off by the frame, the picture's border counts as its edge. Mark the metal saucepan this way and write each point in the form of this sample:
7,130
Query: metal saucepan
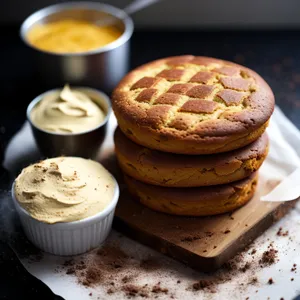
101,68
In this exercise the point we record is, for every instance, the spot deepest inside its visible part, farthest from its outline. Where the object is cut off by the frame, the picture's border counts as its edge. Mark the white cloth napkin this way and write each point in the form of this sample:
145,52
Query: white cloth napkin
281,166
283,162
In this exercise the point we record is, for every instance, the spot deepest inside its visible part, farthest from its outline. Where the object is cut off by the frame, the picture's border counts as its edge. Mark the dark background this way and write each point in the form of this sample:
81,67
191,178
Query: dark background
274,54
204,14
263,35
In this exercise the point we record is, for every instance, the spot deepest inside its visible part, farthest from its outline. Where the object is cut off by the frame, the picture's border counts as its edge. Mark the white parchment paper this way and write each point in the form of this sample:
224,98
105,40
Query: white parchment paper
282,165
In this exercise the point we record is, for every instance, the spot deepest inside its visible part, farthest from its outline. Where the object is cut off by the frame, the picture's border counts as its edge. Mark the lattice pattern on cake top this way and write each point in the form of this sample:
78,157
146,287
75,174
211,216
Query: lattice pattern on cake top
181,92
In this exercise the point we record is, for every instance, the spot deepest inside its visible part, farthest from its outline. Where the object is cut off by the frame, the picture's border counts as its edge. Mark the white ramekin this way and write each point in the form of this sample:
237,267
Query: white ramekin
69,238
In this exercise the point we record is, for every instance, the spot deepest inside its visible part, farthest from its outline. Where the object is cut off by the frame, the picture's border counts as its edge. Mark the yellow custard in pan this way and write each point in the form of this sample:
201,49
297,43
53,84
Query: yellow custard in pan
71,36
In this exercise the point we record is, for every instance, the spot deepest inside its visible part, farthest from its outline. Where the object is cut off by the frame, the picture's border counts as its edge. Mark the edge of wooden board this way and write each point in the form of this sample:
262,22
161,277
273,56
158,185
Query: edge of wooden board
194,260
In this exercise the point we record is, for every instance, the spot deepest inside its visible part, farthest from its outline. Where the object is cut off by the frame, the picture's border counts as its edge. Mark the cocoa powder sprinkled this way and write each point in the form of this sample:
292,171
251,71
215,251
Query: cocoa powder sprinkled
281,232
125,279
131,290
204,285
110,266
294,268
158,289
118,272
269,257
230,265
253,280
245,267
93,276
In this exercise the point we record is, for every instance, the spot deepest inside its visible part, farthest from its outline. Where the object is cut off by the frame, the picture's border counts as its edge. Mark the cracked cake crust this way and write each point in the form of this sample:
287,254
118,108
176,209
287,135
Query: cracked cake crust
175,170
193,105
197,201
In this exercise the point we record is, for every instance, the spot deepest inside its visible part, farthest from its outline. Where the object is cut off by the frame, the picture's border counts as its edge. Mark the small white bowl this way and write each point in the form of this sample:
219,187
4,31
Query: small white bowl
70,238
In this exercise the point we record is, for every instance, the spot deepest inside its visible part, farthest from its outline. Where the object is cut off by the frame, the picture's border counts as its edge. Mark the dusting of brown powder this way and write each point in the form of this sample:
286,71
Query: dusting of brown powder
117,271
269,257
204,285
282,232
110,266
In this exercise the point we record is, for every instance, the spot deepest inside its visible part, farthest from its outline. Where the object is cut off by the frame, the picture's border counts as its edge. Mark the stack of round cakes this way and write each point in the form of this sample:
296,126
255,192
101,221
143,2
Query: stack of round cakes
191,134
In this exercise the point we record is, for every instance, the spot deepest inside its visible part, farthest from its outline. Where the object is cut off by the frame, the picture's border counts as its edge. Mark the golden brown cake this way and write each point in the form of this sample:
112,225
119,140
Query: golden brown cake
177,170
193,105
197,201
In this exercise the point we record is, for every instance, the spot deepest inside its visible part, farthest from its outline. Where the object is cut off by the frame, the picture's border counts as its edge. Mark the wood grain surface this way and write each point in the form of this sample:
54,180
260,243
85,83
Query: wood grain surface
203,243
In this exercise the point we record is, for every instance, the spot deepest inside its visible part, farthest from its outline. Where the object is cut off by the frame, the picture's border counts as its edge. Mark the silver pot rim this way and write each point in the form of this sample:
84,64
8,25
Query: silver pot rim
52,9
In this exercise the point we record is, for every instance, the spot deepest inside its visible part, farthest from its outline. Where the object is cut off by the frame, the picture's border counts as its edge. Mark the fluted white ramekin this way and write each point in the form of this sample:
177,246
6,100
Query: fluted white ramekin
70,238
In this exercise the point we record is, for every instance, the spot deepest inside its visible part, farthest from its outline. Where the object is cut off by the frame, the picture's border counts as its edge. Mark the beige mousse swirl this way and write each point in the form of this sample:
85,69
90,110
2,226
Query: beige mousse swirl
68,111
64,189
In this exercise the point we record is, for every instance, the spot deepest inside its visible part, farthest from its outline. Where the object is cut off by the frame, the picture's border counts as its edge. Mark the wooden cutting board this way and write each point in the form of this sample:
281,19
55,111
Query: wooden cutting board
203,243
